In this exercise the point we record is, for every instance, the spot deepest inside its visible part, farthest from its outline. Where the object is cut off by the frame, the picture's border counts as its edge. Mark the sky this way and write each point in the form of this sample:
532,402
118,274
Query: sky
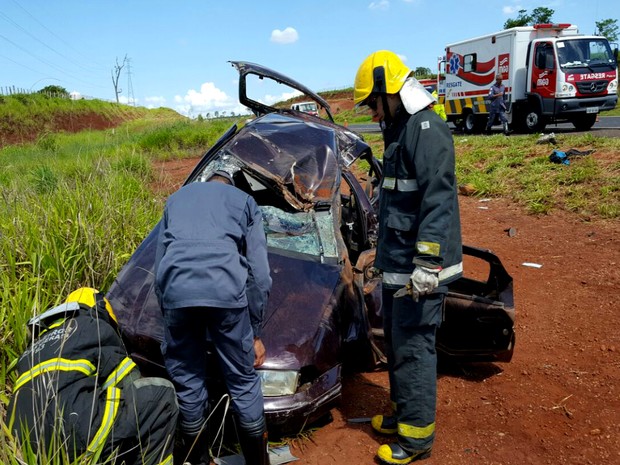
176,53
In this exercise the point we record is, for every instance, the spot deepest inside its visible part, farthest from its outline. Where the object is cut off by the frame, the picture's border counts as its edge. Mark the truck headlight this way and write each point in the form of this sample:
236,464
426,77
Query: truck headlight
278,383
612,87
567,90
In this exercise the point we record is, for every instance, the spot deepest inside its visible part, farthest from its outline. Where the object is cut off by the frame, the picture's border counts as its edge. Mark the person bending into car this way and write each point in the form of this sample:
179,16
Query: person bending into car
419,245
212,274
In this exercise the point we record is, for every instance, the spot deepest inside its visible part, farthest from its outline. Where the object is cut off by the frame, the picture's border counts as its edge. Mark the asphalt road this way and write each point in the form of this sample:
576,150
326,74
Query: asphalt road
607,126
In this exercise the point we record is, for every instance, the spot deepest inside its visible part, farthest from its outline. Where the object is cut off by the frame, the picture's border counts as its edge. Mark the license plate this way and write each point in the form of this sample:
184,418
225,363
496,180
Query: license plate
592,110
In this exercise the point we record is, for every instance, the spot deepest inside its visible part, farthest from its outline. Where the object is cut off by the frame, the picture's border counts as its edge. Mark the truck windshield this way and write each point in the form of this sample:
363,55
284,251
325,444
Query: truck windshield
308,107
584,53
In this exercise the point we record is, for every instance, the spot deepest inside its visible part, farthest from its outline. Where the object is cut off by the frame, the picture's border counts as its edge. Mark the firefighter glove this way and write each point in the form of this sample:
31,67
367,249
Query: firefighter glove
424,280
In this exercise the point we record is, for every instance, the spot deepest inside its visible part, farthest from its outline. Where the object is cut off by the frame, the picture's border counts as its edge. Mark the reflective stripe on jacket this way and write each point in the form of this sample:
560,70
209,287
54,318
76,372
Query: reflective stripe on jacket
68,384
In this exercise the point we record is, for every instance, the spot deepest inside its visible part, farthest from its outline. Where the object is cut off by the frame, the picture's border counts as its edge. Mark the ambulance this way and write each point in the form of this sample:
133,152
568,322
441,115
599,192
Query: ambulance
550,71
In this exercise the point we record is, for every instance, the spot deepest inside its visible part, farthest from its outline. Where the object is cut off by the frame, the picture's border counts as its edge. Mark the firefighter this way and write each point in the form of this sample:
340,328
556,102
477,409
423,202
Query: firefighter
419,244
437,107
80,394
497,107
212,277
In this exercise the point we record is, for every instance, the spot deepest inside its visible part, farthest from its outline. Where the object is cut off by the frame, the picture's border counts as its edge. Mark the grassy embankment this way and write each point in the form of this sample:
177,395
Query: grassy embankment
73,207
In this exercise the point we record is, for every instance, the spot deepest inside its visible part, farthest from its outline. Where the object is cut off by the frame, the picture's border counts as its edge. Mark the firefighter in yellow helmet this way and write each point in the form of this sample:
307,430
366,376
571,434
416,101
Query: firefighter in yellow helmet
419,246
80,396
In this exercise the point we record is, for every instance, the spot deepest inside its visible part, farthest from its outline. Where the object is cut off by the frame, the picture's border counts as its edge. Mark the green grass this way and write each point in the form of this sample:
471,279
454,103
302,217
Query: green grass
519,169
73,208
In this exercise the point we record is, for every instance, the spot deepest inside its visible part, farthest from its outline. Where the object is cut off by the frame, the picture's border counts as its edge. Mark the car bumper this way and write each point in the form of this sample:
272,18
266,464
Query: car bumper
305,407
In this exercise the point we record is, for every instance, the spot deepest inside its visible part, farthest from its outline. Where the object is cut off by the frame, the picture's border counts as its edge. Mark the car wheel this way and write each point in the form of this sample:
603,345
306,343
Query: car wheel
584,122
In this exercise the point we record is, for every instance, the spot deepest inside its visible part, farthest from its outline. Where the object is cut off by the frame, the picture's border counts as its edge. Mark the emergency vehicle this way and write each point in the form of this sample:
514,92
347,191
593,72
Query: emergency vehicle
550,71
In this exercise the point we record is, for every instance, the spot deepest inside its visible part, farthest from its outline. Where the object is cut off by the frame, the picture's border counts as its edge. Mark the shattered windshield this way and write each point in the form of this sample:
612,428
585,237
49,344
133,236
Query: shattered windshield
577,53
310,233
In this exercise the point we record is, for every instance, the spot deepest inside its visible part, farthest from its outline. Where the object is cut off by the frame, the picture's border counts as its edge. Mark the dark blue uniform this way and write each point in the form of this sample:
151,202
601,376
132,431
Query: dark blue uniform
212,273
418,225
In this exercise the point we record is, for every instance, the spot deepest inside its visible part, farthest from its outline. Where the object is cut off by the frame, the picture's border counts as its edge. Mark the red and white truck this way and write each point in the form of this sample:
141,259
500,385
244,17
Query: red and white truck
550,71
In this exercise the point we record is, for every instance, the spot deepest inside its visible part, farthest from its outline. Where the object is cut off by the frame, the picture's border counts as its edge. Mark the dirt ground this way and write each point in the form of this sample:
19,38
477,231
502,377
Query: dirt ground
558,400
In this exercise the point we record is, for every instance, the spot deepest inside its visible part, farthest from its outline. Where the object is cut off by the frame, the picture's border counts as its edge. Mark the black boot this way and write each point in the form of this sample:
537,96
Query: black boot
507,130
253,442
193,448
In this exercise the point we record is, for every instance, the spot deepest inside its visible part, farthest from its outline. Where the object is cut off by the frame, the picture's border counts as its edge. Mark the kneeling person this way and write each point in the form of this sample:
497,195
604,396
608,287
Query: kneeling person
78,391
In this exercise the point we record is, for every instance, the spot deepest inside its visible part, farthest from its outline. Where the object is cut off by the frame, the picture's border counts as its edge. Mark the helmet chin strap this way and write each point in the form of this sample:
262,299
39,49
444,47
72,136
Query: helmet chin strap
387,114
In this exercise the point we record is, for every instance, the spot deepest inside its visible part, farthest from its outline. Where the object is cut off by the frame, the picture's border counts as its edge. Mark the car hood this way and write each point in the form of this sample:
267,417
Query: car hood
298,328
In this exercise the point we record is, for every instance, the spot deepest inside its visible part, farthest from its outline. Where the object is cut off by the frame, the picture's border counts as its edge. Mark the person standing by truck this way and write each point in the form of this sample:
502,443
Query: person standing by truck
419,246
497,107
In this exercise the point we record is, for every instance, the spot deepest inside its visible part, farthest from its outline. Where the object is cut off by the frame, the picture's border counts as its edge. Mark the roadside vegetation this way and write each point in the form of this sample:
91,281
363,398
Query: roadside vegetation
74,207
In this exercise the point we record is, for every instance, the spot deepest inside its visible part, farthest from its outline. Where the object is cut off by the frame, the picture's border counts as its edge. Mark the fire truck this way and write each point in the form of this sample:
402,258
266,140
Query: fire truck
550,71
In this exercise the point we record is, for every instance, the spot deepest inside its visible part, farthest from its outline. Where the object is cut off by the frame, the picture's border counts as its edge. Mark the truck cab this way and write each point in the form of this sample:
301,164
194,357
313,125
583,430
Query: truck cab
306,107
570,78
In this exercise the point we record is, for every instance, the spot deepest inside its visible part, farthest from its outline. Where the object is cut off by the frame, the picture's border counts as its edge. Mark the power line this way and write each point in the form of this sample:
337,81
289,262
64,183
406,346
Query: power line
51,33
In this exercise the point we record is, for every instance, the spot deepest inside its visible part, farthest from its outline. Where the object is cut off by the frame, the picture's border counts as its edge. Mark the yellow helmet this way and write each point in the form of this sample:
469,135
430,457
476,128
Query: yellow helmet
381,72
92,298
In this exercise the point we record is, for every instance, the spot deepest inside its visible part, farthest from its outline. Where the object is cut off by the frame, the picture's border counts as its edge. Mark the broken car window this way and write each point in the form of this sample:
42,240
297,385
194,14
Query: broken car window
310,233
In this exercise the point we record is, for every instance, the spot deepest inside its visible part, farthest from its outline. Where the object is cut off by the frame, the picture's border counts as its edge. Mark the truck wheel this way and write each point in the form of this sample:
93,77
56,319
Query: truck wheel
472,123
584,122
534,120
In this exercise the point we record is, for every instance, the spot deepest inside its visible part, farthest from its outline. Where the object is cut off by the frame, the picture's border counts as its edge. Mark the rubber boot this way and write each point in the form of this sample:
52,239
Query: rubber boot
194,448
253,442
395,454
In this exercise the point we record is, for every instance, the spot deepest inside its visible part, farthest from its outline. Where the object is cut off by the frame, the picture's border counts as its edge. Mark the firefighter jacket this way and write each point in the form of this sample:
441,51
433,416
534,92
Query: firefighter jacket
68,390
212,251
419,219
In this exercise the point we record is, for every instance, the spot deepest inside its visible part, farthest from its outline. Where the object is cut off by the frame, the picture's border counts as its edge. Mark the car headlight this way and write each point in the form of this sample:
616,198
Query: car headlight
613,86
278,383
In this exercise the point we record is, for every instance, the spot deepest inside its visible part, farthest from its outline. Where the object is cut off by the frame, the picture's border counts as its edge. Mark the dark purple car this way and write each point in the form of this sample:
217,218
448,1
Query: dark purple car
324,311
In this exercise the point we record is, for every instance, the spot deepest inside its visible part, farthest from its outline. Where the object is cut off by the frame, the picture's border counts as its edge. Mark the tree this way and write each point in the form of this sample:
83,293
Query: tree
522,20
607,28
422,72
116,74
539,15
55,91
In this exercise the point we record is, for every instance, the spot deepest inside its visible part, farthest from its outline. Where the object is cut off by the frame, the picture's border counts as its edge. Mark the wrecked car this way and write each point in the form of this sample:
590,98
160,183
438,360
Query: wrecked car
320,220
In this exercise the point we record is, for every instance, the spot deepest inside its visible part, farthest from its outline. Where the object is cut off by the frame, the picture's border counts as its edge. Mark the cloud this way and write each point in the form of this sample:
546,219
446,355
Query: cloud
155,102
209,99
402,57
269,99
287,36
380,5
509,10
